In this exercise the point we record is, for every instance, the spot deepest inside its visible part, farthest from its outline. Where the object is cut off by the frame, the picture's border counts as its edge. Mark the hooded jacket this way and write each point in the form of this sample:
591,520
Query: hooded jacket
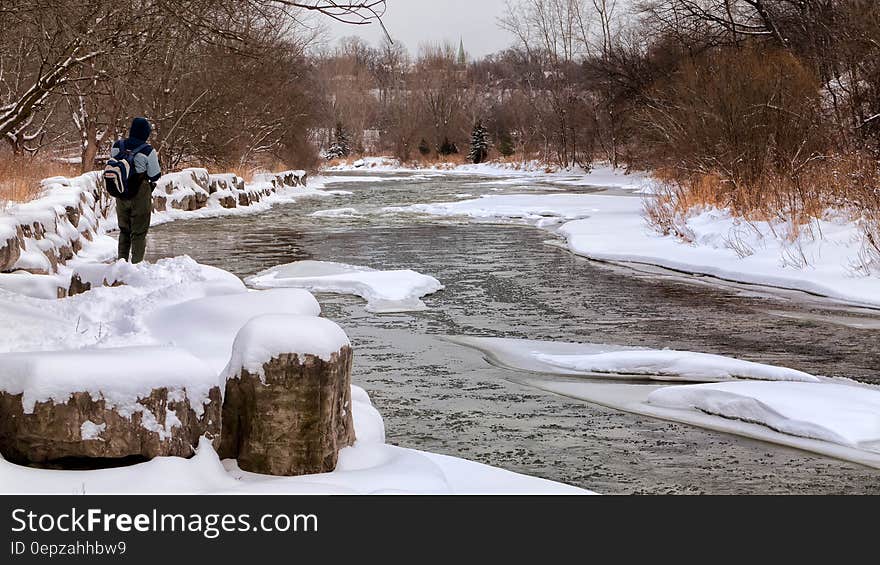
147,160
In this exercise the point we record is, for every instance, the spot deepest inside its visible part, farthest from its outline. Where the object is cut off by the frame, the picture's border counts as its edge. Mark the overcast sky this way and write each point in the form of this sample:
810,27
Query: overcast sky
413,22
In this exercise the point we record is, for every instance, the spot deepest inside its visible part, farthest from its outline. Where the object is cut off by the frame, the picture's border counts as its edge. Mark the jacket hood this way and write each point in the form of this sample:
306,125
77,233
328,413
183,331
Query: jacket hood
140,129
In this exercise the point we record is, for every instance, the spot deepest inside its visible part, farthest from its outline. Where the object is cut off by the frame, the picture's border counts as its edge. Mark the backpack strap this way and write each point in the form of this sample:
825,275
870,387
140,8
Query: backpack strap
139,148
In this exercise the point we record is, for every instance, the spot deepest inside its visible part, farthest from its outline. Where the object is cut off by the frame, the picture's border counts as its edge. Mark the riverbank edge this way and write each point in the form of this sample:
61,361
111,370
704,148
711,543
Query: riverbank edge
829,258
46,236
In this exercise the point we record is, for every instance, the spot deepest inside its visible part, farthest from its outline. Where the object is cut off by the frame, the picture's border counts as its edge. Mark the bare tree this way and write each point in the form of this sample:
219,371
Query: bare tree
551,31
85,51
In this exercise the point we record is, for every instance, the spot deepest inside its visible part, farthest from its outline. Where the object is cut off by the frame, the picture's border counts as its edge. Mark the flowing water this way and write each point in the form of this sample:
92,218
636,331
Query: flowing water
507,281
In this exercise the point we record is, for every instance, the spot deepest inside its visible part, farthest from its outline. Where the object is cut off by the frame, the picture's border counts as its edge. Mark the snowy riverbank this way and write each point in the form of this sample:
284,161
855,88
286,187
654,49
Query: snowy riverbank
176,321
513,172
827,258
47,242
177,310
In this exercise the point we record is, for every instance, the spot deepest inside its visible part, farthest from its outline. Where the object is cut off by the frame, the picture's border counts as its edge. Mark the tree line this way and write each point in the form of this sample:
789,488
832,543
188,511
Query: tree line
751,104
225,83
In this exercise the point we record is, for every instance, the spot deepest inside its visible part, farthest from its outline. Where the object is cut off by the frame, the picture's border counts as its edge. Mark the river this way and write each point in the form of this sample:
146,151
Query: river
507,281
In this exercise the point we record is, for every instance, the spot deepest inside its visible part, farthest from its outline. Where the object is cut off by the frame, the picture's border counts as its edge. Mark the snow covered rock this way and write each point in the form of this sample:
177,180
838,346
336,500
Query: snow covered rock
227,181
207,327
140,402
10,251
288,404
285,178
73,215
40,235
384,291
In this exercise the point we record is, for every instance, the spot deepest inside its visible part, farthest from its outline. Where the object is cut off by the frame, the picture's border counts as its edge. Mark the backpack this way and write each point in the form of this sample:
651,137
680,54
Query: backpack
120,177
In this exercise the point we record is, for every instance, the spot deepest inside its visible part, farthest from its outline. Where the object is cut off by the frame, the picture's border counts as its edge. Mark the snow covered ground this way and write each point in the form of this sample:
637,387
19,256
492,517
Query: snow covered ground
831,264
365,468
513,173
384,291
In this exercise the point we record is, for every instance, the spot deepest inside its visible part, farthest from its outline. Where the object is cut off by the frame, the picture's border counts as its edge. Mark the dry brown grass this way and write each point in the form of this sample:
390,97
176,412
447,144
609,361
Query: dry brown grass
247,173
848,184
20,176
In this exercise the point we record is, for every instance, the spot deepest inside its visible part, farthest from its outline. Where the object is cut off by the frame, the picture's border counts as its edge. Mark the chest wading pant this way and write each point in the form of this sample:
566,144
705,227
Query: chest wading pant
134,223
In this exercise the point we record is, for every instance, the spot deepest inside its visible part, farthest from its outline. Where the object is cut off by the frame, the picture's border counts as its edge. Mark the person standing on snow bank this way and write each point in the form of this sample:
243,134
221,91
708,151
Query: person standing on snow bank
134,213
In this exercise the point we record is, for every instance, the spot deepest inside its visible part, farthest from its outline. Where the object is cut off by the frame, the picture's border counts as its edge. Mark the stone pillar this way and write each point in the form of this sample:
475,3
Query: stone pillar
85,428
290,414
98,408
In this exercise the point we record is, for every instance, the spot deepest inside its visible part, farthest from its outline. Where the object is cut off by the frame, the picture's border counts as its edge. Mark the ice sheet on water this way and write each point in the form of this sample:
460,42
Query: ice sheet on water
838,413
384,291
624,362
336,213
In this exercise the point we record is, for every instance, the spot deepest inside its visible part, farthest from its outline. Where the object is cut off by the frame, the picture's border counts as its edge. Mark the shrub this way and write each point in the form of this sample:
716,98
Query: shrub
748,116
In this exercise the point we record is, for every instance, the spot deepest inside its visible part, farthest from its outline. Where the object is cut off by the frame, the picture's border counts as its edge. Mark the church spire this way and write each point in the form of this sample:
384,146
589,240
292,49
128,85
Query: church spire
462,56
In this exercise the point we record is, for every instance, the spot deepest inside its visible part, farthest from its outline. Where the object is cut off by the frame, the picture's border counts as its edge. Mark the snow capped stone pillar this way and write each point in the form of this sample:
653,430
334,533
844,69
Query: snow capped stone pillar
107,404
287,409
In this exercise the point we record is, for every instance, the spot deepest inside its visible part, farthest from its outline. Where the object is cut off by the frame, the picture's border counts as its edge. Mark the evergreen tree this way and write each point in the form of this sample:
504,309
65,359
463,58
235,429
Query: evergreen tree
479,144
424,148
447,147
505,145
341,146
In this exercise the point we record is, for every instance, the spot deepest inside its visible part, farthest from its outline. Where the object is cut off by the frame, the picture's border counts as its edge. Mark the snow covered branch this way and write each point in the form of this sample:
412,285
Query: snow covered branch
19,115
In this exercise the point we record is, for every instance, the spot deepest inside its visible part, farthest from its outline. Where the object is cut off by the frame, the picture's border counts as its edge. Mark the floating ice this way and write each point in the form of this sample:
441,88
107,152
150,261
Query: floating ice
624,362
838,413
384,291
336,213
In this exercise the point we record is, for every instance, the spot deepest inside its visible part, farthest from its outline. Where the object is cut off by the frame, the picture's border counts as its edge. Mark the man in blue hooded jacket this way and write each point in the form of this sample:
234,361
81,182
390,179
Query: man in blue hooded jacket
134,214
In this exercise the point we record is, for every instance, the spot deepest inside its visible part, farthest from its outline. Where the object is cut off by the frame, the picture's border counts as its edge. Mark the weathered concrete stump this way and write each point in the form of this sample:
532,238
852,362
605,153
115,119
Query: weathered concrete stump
103,405
287,409
86,428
